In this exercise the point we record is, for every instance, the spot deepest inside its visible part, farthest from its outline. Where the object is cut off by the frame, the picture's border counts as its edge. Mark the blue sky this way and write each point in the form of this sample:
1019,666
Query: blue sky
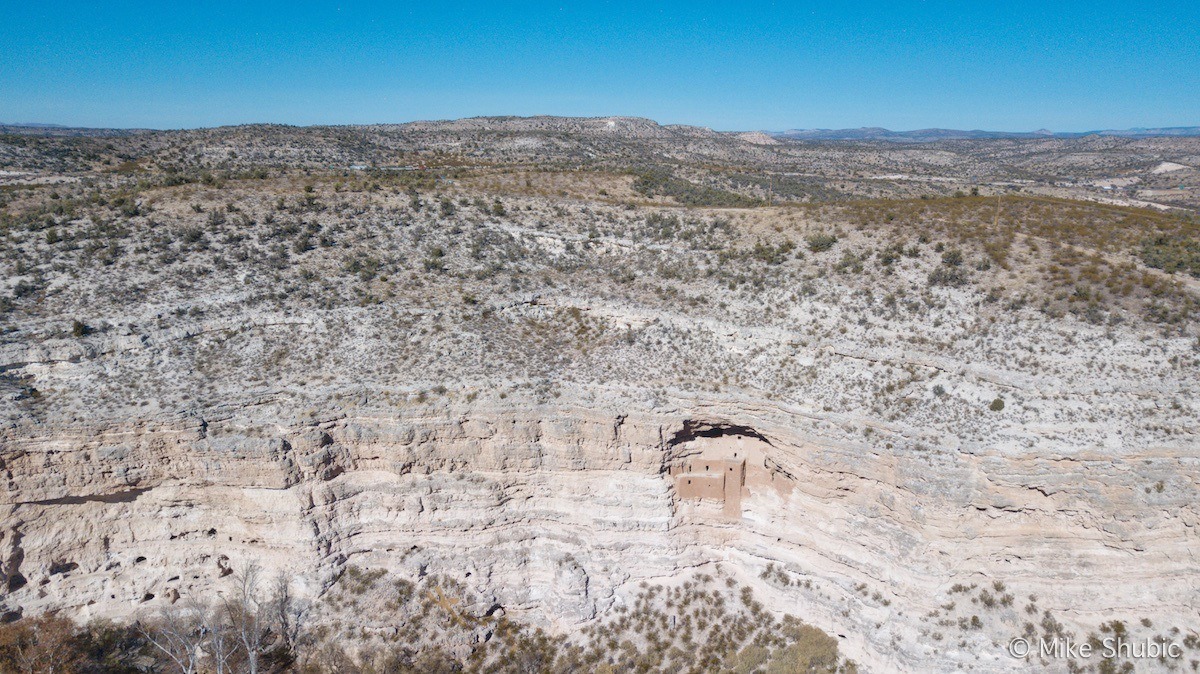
1011,65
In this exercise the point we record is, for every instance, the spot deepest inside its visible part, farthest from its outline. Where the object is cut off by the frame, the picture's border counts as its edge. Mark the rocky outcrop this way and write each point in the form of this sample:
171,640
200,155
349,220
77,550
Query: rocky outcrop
549,511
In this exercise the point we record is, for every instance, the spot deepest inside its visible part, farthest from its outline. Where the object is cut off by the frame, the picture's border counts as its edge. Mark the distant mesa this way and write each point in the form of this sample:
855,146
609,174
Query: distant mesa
758,138
921,135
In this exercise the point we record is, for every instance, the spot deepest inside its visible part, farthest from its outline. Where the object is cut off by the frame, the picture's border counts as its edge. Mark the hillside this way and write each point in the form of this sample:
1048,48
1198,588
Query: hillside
456,380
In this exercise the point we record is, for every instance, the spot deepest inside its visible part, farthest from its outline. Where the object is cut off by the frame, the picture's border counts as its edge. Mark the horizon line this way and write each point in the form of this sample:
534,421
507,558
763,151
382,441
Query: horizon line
794,129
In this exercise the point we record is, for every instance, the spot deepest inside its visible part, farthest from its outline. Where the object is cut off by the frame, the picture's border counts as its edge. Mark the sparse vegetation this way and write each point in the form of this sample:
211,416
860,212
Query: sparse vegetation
701,626
274,292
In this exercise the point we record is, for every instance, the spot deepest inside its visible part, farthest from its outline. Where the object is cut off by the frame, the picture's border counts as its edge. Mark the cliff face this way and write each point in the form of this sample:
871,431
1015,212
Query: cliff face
550,510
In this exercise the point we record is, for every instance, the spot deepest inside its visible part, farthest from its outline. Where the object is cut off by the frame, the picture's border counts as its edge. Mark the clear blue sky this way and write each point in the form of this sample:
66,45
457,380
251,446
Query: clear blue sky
1007,65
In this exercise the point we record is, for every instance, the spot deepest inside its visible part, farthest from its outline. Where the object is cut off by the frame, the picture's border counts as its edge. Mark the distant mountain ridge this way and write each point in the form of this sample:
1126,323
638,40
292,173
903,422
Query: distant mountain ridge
645,128
33,125
879,133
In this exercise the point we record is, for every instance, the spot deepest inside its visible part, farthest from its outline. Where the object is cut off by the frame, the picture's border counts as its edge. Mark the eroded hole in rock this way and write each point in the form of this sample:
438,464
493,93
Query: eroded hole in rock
14,580
62,567
493,610
699,428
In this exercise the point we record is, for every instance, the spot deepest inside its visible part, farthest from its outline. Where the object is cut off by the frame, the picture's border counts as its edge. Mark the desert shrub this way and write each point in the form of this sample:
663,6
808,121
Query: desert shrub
660,182
850,263
811,650
948,276
43,644
821,242
772,254
1172,255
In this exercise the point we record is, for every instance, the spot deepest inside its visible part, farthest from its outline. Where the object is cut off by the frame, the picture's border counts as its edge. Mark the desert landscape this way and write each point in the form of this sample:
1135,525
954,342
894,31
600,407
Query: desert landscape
549,394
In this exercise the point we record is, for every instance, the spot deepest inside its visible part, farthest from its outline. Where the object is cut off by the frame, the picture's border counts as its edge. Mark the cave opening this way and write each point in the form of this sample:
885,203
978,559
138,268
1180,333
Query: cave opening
698,428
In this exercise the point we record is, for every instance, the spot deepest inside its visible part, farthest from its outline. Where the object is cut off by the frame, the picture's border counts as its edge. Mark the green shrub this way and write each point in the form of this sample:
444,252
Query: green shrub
948,276
657,181
821,242
1178,255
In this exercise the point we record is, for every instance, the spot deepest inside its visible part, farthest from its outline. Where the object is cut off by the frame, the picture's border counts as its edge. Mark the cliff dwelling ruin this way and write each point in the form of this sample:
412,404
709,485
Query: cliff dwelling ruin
720,462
